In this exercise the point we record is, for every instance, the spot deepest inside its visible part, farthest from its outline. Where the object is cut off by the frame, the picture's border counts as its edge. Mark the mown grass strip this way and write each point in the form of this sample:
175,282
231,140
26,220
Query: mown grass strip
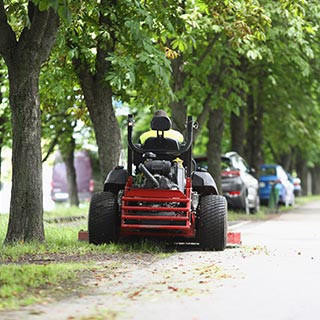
265,213
63,239
26,284
64,210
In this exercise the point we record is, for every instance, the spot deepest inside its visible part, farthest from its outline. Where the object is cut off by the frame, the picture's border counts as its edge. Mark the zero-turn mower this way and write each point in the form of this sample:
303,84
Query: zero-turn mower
159,195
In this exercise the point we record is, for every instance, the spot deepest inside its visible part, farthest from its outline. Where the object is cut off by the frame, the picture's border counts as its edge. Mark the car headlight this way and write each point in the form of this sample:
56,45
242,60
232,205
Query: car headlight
262,184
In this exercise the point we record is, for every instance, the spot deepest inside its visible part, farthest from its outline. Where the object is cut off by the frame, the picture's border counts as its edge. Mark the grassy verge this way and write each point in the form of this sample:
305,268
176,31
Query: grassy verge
21,285
63,239
30,272
265,213
306,199
63,210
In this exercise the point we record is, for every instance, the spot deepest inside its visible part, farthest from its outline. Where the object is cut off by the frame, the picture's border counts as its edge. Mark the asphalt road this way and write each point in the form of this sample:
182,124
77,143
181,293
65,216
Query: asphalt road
274,275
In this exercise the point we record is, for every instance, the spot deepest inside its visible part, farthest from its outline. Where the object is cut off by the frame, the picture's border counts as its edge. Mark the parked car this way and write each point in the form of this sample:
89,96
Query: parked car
274,175
59,184
239,186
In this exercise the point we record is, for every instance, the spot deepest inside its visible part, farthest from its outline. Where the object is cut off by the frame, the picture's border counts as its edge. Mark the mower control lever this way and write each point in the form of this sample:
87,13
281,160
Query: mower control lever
148,175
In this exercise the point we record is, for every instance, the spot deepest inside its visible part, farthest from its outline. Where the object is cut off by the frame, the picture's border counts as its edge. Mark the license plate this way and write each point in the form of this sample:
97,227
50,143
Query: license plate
61,195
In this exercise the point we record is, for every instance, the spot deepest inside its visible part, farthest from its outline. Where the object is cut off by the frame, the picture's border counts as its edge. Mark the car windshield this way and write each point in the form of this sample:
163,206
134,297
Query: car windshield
202,164
267,171
225,164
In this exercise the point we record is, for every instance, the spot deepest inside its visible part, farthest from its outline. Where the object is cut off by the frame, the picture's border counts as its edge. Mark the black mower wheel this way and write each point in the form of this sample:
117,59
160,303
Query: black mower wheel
103,224
213,222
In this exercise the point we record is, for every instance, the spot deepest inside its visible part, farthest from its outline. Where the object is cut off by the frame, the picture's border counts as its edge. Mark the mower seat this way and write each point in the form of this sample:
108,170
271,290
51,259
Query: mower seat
159,143
160,123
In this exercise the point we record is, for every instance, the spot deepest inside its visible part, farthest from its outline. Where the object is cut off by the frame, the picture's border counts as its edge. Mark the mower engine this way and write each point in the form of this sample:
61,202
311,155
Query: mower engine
160,174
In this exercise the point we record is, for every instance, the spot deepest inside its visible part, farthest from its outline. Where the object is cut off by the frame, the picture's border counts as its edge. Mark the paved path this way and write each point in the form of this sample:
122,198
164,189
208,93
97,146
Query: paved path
275,275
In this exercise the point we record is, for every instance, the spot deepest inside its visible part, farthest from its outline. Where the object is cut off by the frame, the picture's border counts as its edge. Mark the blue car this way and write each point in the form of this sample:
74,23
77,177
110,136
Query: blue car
274,175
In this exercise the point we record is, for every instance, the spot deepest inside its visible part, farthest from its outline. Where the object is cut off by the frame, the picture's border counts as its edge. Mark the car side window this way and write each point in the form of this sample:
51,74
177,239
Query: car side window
242,166
282,174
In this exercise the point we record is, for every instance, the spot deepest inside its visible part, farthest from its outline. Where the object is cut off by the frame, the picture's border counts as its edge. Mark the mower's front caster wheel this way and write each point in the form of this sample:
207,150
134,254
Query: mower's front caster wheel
103,224
213,222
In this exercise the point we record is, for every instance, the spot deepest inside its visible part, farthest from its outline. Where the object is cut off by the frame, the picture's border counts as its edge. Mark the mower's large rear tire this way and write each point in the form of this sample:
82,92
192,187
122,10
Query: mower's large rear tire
213,222
103,224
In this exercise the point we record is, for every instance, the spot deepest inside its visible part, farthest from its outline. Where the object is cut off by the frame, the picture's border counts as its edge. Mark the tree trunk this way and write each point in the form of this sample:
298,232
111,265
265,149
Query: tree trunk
98,96
315,172
215,126
1,134
255,131
26,213
285,161
178,108
24,59
302,172
0,163
237,132
2,131
67,153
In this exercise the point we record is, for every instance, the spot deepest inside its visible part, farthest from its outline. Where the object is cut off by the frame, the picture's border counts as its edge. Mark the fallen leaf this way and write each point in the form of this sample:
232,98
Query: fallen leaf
172,288
136,293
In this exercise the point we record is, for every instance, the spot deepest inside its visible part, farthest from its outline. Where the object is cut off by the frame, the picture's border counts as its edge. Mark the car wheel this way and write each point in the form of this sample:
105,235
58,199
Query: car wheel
256,208
245,203
103,223
213,222
292,203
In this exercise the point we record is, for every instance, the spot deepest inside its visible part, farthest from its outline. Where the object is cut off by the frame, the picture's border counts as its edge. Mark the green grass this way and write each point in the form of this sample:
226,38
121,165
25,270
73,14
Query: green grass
240,215
22,282
306,199
26,284
64,210
265,213
63,238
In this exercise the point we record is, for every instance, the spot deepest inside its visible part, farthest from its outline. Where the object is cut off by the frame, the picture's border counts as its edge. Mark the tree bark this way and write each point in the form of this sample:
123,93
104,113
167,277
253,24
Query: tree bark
67,153
315,172
0,164
237,132
25,221
24,59
285,161
215,127
98,97
302,172
1,131
254,139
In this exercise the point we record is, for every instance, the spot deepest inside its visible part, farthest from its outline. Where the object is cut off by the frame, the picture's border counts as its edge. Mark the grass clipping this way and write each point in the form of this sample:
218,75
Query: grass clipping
25,284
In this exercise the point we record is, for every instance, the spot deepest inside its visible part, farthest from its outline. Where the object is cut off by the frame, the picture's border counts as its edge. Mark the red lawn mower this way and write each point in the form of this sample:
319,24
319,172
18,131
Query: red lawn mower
162,198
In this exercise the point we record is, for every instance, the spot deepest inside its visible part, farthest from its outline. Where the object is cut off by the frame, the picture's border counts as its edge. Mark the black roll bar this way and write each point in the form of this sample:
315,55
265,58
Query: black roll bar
185,147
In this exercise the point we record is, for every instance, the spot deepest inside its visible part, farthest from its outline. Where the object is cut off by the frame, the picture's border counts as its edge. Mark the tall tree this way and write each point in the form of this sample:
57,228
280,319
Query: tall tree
24,54
237,128
67,149
215,127
98,92
117,52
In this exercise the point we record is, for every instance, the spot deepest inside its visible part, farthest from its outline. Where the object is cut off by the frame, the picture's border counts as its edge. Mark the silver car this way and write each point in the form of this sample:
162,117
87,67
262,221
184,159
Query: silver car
239,186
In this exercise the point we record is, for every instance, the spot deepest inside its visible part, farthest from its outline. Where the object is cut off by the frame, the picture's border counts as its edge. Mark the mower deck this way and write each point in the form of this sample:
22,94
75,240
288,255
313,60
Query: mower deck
232,237
154,212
